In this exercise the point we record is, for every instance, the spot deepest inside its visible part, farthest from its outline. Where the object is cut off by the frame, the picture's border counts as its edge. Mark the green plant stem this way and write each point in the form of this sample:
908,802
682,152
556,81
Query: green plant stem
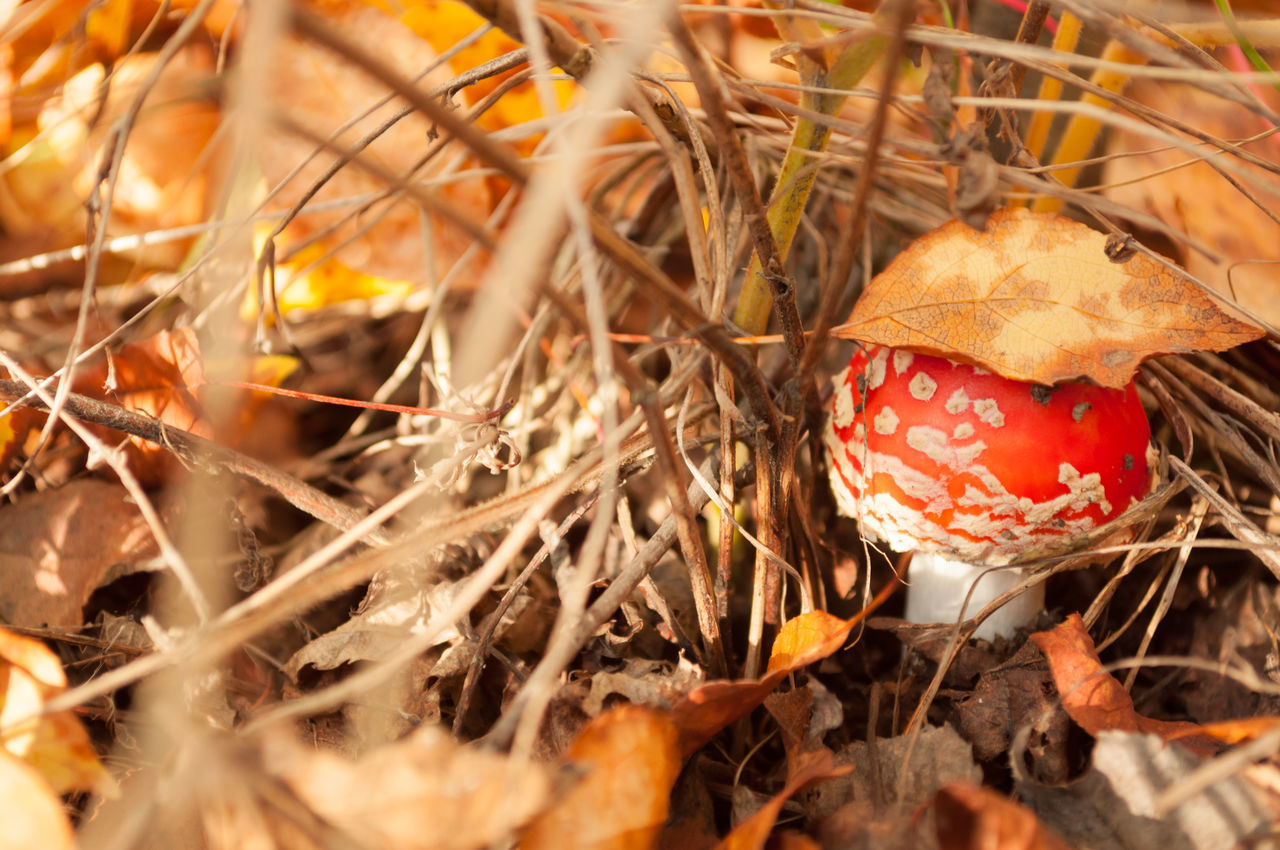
1250,52
795,180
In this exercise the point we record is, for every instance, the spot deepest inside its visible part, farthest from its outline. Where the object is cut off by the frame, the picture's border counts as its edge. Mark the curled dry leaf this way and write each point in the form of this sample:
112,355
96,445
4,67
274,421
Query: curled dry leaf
712,707
1095,699
754,832
1034,297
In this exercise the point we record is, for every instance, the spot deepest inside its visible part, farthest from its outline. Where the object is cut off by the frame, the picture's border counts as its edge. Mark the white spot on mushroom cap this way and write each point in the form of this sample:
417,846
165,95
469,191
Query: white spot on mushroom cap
886,421
922,387
934,444
876,369
1085,490
988,411
902,360
963,431
958,403
842,413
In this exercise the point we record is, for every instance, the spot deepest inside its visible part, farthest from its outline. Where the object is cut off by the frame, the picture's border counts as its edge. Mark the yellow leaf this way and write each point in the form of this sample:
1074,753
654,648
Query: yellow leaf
311,280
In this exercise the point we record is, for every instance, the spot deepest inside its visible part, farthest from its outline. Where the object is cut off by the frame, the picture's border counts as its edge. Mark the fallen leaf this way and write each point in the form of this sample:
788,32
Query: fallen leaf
1238,731
55,745
752,833
15,427
157,377
967,816
877,805
627,760
58,546
444,24
421,793
1034,297
1094,699
802,641
31,815
312,279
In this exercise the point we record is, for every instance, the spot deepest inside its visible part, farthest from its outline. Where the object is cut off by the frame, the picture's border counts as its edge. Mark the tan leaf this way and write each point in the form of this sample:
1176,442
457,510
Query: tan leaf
423,792
1034,297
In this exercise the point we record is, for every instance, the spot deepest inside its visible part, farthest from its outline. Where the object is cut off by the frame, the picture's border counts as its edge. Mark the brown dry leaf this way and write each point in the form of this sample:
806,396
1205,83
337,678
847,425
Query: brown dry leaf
628,760
56,745
58,546
1198,200
421,793
1093,698
31,815
967,816
1034,297
157,377
802,641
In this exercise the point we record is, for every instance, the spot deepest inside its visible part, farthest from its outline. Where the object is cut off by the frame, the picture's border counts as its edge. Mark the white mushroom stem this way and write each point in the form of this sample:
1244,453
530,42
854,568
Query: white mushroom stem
939,586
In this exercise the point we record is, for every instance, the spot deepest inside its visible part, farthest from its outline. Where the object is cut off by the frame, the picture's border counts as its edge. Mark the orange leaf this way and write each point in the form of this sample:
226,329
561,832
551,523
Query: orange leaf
56,745
1093,698
1034,297
968,816
753,832
15,426
1243,729
155,377
627,760
806,639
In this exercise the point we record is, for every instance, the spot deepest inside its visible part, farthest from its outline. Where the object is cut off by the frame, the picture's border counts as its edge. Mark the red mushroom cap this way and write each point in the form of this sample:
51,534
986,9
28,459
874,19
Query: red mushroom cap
944,457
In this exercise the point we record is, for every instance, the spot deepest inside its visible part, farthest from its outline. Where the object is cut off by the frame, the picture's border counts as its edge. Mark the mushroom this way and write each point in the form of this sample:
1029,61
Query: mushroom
966,469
